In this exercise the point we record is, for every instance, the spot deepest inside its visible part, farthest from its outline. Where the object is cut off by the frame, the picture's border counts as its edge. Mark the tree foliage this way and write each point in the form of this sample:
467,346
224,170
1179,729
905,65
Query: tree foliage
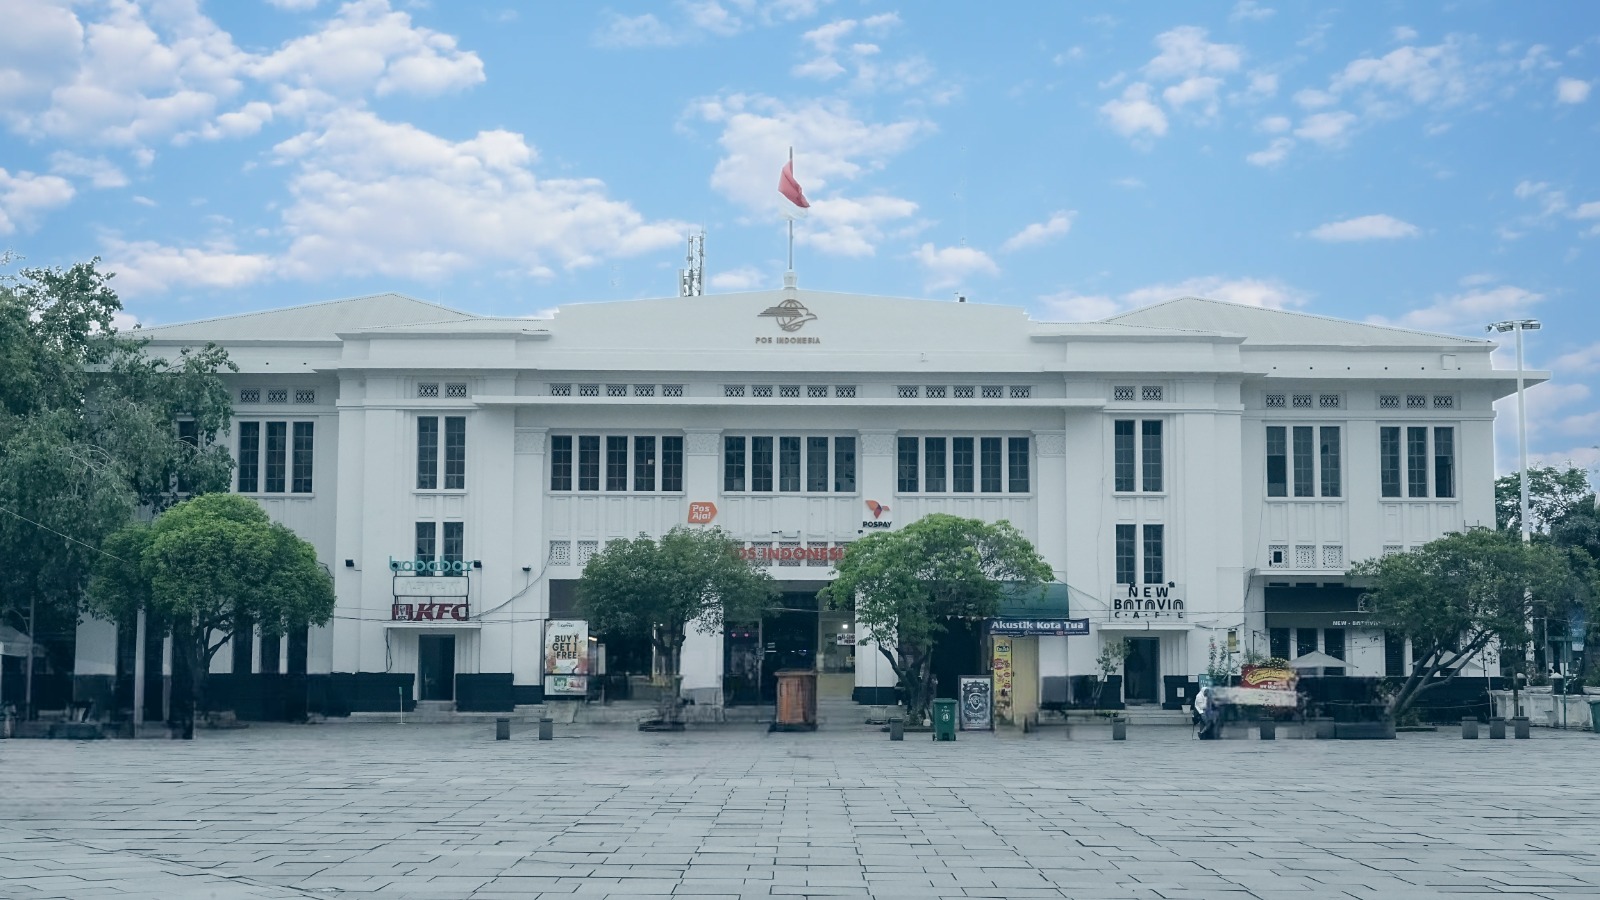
905,585
1466,592
1553,494
206,568
89,430
656,589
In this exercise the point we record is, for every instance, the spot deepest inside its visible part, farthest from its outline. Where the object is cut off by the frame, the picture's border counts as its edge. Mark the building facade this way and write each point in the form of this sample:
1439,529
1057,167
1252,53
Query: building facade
1198,475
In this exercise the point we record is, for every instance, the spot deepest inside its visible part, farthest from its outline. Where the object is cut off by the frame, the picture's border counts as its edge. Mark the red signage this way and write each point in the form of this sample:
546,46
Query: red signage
702,512
762,554
428,612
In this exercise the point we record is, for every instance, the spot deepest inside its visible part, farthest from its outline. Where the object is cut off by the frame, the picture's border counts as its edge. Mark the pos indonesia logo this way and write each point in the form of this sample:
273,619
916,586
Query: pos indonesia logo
790,314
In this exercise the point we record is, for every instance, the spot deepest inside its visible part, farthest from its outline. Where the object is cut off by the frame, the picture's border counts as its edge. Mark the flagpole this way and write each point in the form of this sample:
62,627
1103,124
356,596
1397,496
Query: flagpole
791,218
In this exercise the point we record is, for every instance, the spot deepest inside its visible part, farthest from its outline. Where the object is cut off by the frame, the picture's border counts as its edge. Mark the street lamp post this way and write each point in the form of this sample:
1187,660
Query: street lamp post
1519,326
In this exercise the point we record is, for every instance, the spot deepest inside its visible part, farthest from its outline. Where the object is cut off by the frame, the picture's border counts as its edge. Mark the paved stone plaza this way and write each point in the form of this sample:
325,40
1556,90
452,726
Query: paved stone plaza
445,811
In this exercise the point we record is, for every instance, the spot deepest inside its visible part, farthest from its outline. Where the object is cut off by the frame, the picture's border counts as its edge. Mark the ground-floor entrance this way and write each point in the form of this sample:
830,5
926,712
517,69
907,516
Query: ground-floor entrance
1141,670
436,667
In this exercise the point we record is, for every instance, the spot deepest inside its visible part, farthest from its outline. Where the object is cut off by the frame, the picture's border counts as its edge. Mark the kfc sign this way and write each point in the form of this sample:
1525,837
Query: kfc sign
428,612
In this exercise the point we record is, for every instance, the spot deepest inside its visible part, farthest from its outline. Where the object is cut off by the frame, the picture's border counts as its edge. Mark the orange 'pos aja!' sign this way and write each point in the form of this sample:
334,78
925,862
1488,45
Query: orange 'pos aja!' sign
702,512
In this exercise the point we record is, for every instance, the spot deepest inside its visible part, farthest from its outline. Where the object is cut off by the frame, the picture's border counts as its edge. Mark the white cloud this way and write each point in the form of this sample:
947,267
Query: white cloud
1263,292
1250,11
1186,52
1590,210
1059,223
744,278
951,266
1273,154
1584,359
24,195
1365,228
833,55
1201,89
1134,114
1274,124
101,172
833,146
644,30
368,46
1584,457
1572,90
1467,313
146,267
1330,128
294,5
1403,33
1262,86
1423,75
1311,98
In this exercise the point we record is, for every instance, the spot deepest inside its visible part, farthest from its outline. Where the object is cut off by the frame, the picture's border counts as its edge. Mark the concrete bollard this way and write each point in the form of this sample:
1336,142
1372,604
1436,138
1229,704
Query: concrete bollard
1469,728
547,730
1497,728
1119,729
1520,729
897,729
1269,730
502,729
1326,730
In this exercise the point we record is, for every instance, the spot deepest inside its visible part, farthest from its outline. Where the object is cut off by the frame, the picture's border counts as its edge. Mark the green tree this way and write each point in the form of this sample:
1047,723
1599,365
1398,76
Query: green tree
904,585
1466,592
203,569
90,434
1553,494
656,589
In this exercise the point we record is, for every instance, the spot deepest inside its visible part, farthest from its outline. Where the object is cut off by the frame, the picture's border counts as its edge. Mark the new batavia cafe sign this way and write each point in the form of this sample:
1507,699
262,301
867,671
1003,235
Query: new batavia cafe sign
430,590
1148,601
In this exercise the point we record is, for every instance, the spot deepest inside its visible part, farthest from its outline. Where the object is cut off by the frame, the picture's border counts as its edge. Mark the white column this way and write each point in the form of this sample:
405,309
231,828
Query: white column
701,662
1051,489
875,679
527,515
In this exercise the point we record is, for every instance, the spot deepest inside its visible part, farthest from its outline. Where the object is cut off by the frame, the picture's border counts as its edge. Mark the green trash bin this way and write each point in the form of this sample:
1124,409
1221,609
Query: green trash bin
1594,716
944,720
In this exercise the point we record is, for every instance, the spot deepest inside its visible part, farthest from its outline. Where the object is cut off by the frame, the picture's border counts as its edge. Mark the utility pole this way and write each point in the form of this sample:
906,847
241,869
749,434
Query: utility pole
138,674
691,278
33,631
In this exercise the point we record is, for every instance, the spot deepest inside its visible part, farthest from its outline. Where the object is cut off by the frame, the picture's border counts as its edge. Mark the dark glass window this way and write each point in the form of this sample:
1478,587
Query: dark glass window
1331,486
249,456
188,433
908,482
1305,641
644,463
277,456
1123,456
455,453
817,464
1018,462
1333,642
561,462
1277,461
302,457
1127,554
934,465
588,462
240,646
788,464
271,653
733,463
1150,449
454,549
1304,460
1389,461
1155,565
989,465
672,464
1278,642
427,453
1394,654
616,463
761,464
963,467
1444,462
844,464
427,533
1416,462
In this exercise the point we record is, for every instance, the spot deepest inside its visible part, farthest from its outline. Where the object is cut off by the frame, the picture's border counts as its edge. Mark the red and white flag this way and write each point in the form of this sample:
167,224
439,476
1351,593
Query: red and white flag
790,188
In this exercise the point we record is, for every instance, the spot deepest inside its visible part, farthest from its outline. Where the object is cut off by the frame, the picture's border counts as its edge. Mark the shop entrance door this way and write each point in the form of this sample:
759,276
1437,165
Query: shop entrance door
436,667
1141,671
789,638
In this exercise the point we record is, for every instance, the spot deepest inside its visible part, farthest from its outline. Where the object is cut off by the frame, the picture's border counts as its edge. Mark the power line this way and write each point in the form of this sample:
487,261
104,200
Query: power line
67,536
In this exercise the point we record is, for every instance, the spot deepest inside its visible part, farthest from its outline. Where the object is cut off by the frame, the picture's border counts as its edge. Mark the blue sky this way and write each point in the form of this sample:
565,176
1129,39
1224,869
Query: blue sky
1426,165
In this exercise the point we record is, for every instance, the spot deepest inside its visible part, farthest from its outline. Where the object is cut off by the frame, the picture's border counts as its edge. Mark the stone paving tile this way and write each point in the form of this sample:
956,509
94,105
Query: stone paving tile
444,811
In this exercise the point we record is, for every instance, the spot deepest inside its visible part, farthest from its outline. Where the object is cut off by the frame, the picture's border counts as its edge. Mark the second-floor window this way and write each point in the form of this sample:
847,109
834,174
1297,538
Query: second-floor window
1136,455
454,470
789,463
1306,457
962,465
1153,554
269,464
616,463
1421,458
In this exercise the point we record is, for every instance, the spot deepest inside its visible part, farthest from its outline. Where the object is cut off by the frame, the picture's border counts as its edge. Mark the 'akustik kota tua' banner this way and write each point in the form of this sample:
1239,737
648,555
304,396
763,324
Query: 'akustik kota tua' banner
566,657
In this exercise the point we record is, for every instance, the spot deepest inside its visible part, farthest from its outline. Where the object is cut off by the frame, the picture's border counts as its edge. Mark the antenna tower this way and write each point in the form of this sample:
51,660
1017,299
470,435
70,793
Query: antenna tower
691,279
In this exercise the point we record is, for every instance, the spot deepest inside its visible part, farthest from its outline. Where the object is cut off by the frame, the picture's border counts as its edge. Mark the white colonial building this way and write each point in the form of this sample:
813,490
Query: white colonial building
1195,472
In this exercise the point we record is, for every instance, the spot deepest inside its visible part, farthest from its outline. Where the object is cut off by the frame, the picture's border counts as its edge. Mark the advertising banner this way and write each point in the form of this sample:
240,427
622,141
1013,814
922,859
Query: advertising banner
566,657
1001,666
1037,627
977,704
1266,686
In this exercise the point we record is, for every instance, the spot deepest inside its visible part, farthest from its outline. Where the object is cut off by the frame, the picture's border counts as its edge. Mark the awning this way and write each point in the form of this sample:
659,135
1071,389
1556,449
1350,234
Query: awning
15,643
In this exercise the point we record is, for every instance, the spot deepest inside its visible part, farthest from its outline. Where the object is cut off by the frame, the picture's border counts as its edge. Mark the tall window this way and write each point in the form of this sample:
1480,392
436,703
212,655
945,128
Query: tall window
1124,455
909,481
933,455
761,464
427,541
672,463
788,464
588,462
427,453
455,453
1314,452
1416,462
1277,461
1150,451
816,464
644,463
1394,654
1305,641
1155,567
561,462
1389,460
1444,462
189,433
1278,643
454,549
844,465
249,457
1017,480
616,463
1333,642
1136,465
277,456
989,465
733,464
962,465
301,471
940,465
1127,554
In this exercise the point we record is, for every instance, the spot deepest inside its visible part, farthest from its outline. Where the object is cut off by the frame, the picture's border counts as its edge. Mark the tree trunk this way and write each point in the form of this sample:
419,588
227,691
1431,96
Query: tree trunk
915,671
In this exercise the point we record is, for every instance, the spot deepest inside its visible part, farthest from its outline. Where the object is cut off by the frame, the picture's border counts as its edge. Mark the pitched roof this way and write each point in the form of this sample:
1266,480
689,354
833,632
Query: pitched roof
1278,326
311,322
